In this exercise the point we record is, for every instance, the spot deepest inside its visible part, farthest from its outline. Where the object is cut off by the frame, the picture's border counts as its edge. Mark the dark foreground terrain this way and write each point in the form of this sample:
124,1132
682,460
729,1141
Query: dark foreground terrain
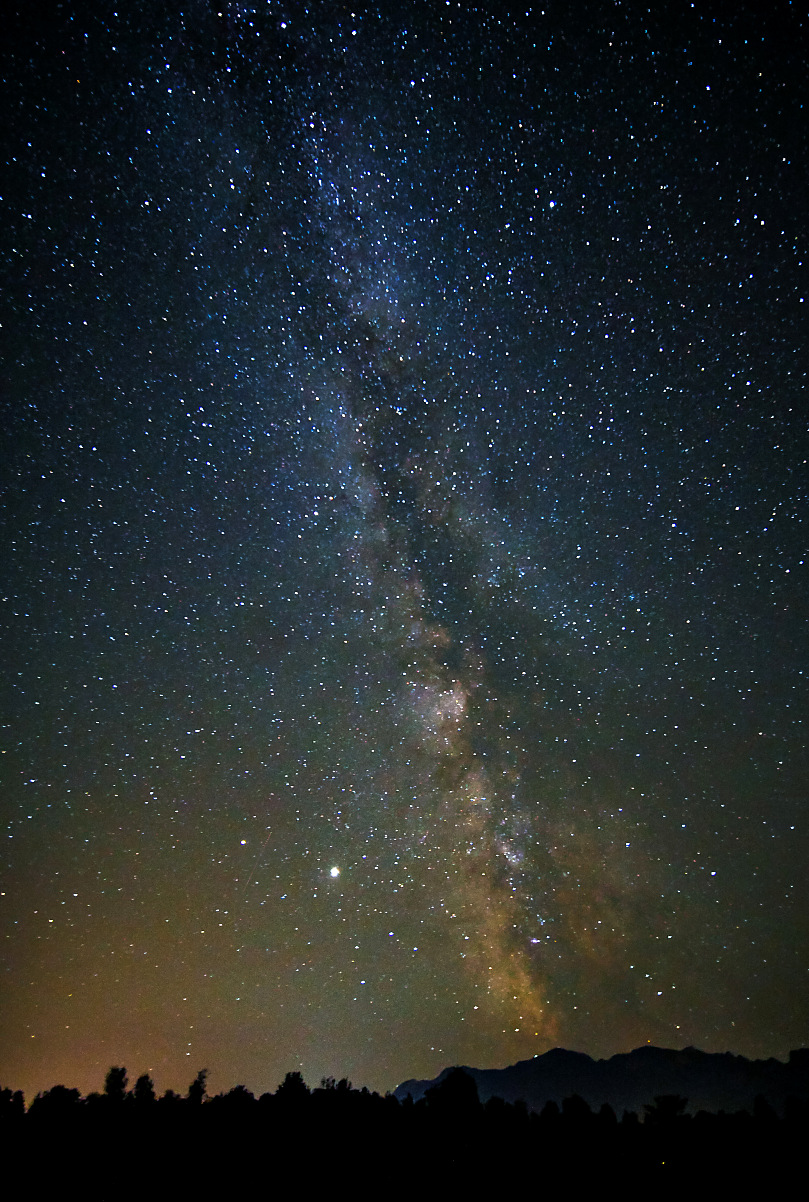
126,1144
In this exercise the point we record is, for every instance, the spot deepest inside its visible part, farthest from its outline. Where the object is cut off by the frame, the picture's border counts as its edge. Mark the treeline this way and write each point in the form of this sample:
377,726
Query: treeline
448,1139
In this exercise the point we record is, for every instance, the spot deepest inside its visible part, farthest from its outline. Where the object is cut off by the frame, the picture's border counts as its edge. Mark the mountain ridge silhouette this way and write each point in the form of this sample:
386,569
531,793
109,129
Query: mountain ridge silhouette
710,1081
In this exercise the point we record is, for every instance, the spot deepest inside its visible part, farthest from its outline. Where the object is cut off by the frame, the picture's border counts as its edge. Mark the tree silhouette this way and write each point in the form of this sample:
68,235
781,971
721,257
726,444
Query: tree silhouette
763,1112
198,1088
143,1092
457,1093
236,1099
56,1102
607,1118
576,1110
12,1105
293,1089
667,1109
550,1112
115,1084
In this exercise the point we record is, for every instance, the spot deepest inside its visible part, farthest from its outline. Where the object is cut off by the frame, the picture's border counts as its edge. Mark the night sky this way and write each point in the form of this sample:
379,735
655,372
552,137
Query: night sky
404,590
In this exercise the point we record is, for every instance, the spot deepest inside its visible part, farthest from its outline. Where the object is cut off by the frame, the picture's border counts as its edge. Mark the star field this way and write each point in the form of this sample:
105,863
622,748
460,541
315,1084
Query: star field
404,537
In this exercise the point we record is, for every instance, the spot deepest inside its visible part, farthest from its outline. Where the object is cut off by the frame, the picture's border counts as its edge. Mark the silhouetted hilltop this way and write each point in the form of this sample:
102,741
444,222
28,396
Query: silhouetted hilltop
711,1081
448,1143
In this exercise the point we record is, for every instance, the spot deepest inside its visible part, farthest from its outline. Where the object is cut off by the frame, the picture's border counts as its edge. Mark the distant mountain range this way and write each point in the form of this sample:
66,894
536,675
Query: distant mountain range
711,1081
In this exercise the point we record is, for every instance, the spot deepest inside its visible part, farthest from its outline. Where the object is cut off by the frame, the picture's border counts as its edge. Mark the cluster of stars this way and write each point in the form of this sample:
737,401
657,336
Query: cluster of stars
404,539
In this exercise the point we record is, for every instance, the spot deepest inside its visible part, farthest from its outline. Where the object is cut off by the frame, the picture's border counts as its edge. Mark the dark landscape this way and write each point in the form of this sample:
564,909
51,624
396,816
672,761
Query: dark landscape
709,1081
560,1121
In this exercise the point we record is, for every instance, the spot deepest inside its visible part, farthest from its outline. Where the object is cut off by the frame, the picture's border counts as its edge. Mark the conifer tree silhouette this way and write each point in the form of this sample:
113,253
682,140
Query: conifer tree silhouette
198,1088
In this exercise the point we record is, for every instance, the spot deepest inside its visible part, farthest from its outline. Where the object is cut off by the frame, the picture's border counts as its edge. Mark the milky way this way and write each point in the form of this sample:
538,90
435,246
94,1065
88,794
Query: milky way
404,531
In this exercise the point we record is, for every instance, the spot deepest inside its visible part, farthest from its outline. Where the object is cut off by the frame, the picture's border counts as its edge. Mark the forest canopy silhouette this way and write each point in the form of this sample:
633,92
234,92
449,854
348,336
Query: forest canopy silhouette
448,1136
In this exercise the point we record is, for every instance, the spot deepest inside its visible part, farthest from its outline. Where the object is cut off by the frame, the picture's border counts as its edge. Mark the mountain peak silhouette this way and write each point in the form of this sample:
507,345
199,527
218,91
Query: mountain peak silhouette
711,1081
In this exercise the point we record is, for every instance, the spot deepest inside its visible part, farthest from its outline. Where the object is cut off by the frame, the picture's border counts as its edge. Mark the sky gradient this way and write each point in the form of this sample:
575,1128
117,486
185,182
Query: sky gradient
403,537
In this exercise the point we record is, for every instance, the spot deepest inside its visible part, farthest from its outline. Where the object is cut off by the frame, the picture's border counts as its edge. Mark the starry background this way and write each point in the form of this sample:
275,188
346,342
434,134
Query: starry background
404,594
